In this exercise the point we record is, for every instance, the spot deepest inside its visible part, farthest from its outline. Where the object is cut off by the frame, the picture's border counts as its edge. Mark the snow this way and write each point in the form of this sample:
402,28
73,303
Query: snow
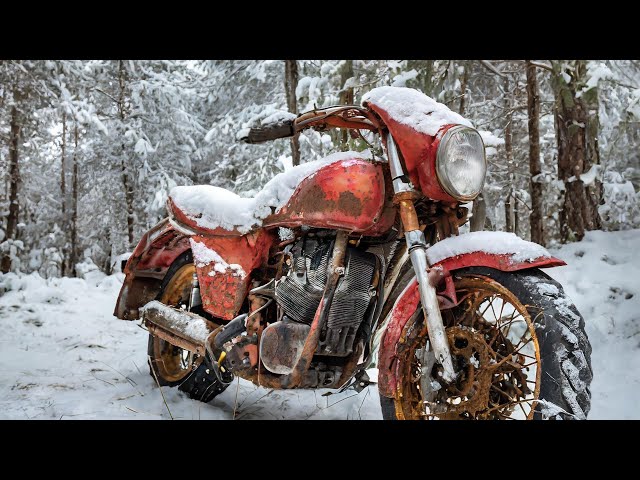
143,147
204,255
63,354
212,207
242,133
499,243
596,71
278,116
489,139
219,207
194,327
269,115
402,79
413,108
589,176
603,279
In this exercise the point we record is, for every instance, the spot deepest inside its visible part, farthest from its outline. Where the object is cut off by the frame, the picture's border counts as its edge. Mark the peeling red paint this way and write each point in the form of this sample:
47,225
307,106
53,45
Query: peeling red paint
404,308
347,195
223,293
156,251
502,262
409,299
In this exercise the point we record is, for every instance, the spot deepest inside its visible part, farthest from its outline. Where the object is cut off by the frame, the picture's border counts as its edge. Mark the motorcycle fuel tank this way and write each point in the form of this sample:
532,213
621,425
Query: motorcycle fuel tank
347,195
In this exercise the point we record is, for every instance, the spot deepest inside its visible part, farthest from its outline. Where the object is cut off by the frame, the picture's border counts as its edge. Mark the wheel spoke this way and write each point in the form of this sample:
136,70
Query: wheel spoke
494,312
522,408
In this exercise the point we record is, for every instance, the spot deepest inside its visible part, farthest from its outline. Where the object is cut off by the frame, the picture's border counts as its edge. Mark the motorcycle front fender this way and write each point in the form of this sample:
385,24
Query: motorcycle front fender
499,250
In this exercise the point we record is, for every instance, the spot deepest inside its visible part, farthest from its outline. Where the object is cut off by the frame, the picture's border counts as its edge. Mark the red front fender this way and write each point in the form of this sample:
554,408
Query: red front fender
409,300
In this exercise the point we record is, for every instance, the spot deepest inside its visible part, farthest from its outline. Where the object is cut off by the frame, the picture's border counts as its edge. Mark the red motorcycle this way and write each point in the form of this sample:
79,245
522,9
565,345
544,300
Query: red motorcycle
353,262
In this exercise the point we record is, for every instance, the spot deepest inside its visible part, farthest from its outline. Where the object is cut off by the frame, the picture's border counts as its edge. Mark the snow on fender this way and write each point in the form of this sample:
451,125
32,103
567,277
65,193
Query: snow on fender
500,250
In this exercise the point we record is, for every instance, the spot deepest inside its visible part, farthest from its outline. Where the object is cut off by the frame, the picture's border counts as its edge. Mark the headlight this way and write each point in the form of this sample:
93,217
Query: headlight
461,163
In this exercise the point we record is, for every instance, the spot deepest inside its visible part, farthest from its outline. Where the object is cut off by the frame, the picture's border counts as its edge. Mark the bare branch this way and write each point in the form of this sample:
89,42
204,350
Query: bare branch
105,93
490,67
544,66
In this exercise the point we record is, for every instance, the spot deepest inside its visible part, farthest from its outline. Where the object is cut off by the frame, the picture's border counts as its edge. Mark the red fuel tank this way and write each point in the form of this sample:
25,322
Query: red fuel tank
349,194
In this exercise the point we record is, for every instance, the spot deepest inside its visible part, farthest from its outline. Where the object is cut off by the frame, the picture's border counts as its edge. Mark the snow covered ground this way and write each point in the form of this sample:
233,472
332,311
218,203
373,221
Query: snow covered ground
63,355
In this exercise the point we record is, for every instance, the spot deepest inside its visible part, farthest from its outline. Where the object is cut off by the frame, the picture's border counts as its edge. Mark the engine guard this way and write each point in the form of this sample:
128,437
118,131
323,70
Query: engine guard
408,302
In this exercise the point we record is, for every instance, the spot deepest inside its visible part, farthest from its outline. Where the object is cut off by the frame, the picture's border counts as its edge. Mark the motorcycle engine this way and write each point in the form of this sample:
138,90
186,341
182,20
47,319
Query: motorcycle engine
299,292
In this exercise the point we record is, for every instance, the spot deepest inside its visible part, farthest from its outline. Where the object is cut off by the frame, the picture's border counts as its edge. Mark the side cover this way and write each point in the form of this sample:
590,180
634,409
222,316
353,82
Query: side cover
224,266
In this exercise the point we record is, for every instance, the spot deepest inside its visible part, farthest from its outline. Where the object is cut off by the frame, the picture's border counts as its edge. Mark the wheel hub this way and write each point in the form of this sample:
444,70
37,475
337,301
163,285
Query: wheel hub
469,394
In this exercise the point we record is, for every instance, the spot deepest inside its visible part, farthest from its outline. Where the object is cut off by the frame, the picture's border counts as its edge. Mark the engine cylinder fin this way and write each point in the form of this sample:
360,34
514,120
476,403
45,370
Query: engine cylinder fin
300,299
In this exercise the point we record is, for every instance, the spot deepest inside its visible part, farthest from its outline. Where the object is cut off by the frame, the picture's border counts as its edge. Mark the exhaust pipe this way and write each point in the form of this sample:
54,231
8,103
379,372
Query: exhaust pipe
178,327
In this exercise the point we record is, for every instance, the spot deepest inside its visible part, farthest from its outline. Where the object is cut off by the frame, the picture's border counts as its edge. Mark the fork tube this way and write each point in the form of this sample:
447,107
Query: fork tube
417,245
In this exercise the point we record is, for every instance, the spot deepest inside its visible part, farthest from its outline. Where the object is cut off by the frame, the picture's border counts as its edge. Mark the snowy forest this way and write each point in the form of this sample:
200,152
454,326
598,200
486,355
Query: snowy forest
90,149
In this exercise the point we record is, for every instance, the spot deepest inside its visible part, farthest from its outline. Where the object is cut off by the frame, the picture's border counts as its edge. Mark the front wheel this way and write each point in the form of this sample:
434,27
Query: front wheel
518,344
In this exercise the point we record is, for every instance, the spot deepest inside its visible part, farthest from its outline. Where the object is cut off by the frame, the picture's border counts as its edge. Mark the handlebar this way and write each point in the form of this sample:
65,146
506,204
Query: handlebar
269,132
345,116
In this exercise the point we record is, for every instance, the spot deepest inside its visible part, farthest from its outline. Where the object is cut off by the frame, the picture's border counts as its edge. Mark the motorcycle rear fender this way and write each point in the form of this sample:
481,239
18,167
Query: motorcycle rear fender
408,302
148,264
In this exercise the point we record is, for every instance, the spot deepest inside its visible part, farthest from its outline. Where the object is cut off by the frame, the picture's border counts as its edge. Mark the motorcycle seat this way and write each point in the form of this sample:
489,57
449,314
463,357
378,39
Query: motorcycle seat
209,210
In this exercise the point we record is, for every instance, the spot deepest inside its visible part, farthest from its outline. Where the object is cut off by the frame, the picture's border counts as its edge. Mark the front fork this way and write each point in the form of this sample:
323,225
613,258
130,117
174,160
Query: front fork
417,246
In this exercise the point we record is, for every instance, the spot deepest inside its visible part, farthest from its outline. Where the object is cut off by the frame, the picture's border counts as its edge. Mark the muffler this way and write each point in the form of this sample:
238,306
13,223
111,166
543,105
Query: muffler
178,327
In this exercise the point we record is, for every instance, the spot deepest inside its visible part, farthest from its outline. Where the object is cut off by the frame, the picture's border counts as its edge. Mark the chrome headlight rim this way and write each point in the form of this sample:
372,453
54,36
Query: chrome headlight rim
441,174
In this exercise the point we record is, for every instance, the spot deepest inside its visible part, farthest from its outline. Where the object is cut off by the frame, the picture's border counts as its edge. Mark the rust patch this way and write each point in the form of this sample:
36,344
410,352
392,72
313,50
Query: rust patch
348,195
348,202
223,293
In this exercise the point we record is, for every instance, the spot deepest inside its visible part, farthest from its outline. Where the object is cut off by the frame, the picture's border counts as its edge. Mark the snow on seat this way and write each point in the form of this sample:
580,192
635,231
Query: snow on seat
217,210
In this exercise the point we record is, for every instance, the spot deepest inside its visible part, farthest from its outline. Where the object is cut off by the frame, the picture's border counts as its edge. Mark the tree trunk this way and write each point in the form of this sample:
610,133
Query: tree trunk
508,212
463,87
290,84
425,69
508,150
595,191
535,168
479,214
126,181
516,212
73,258
108,267
346,98
63,190
577,152
14,179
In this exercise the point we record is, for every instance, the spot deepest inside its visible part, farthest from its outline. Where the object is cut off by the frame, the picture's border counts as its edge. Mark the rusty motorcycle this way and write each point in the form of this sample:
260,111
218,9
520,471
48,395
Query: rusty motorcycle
355,263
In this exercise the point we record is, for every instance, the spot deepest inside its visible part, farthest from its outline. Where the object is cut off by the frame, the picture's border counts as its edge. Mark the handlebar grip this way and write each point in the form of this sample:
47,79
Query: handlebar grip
270,132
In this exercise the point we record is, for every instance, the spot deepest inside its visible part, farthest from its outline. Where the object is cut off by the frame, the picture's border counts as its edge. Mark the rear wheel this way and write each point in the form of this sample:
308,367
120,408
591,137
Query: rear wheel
518,344
174,366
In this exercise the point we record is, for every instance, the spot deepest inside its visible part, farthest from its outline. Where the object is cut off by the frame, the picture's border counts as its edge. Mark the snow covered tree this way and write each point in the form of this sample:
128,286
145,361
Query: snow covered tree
578,153
90,149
